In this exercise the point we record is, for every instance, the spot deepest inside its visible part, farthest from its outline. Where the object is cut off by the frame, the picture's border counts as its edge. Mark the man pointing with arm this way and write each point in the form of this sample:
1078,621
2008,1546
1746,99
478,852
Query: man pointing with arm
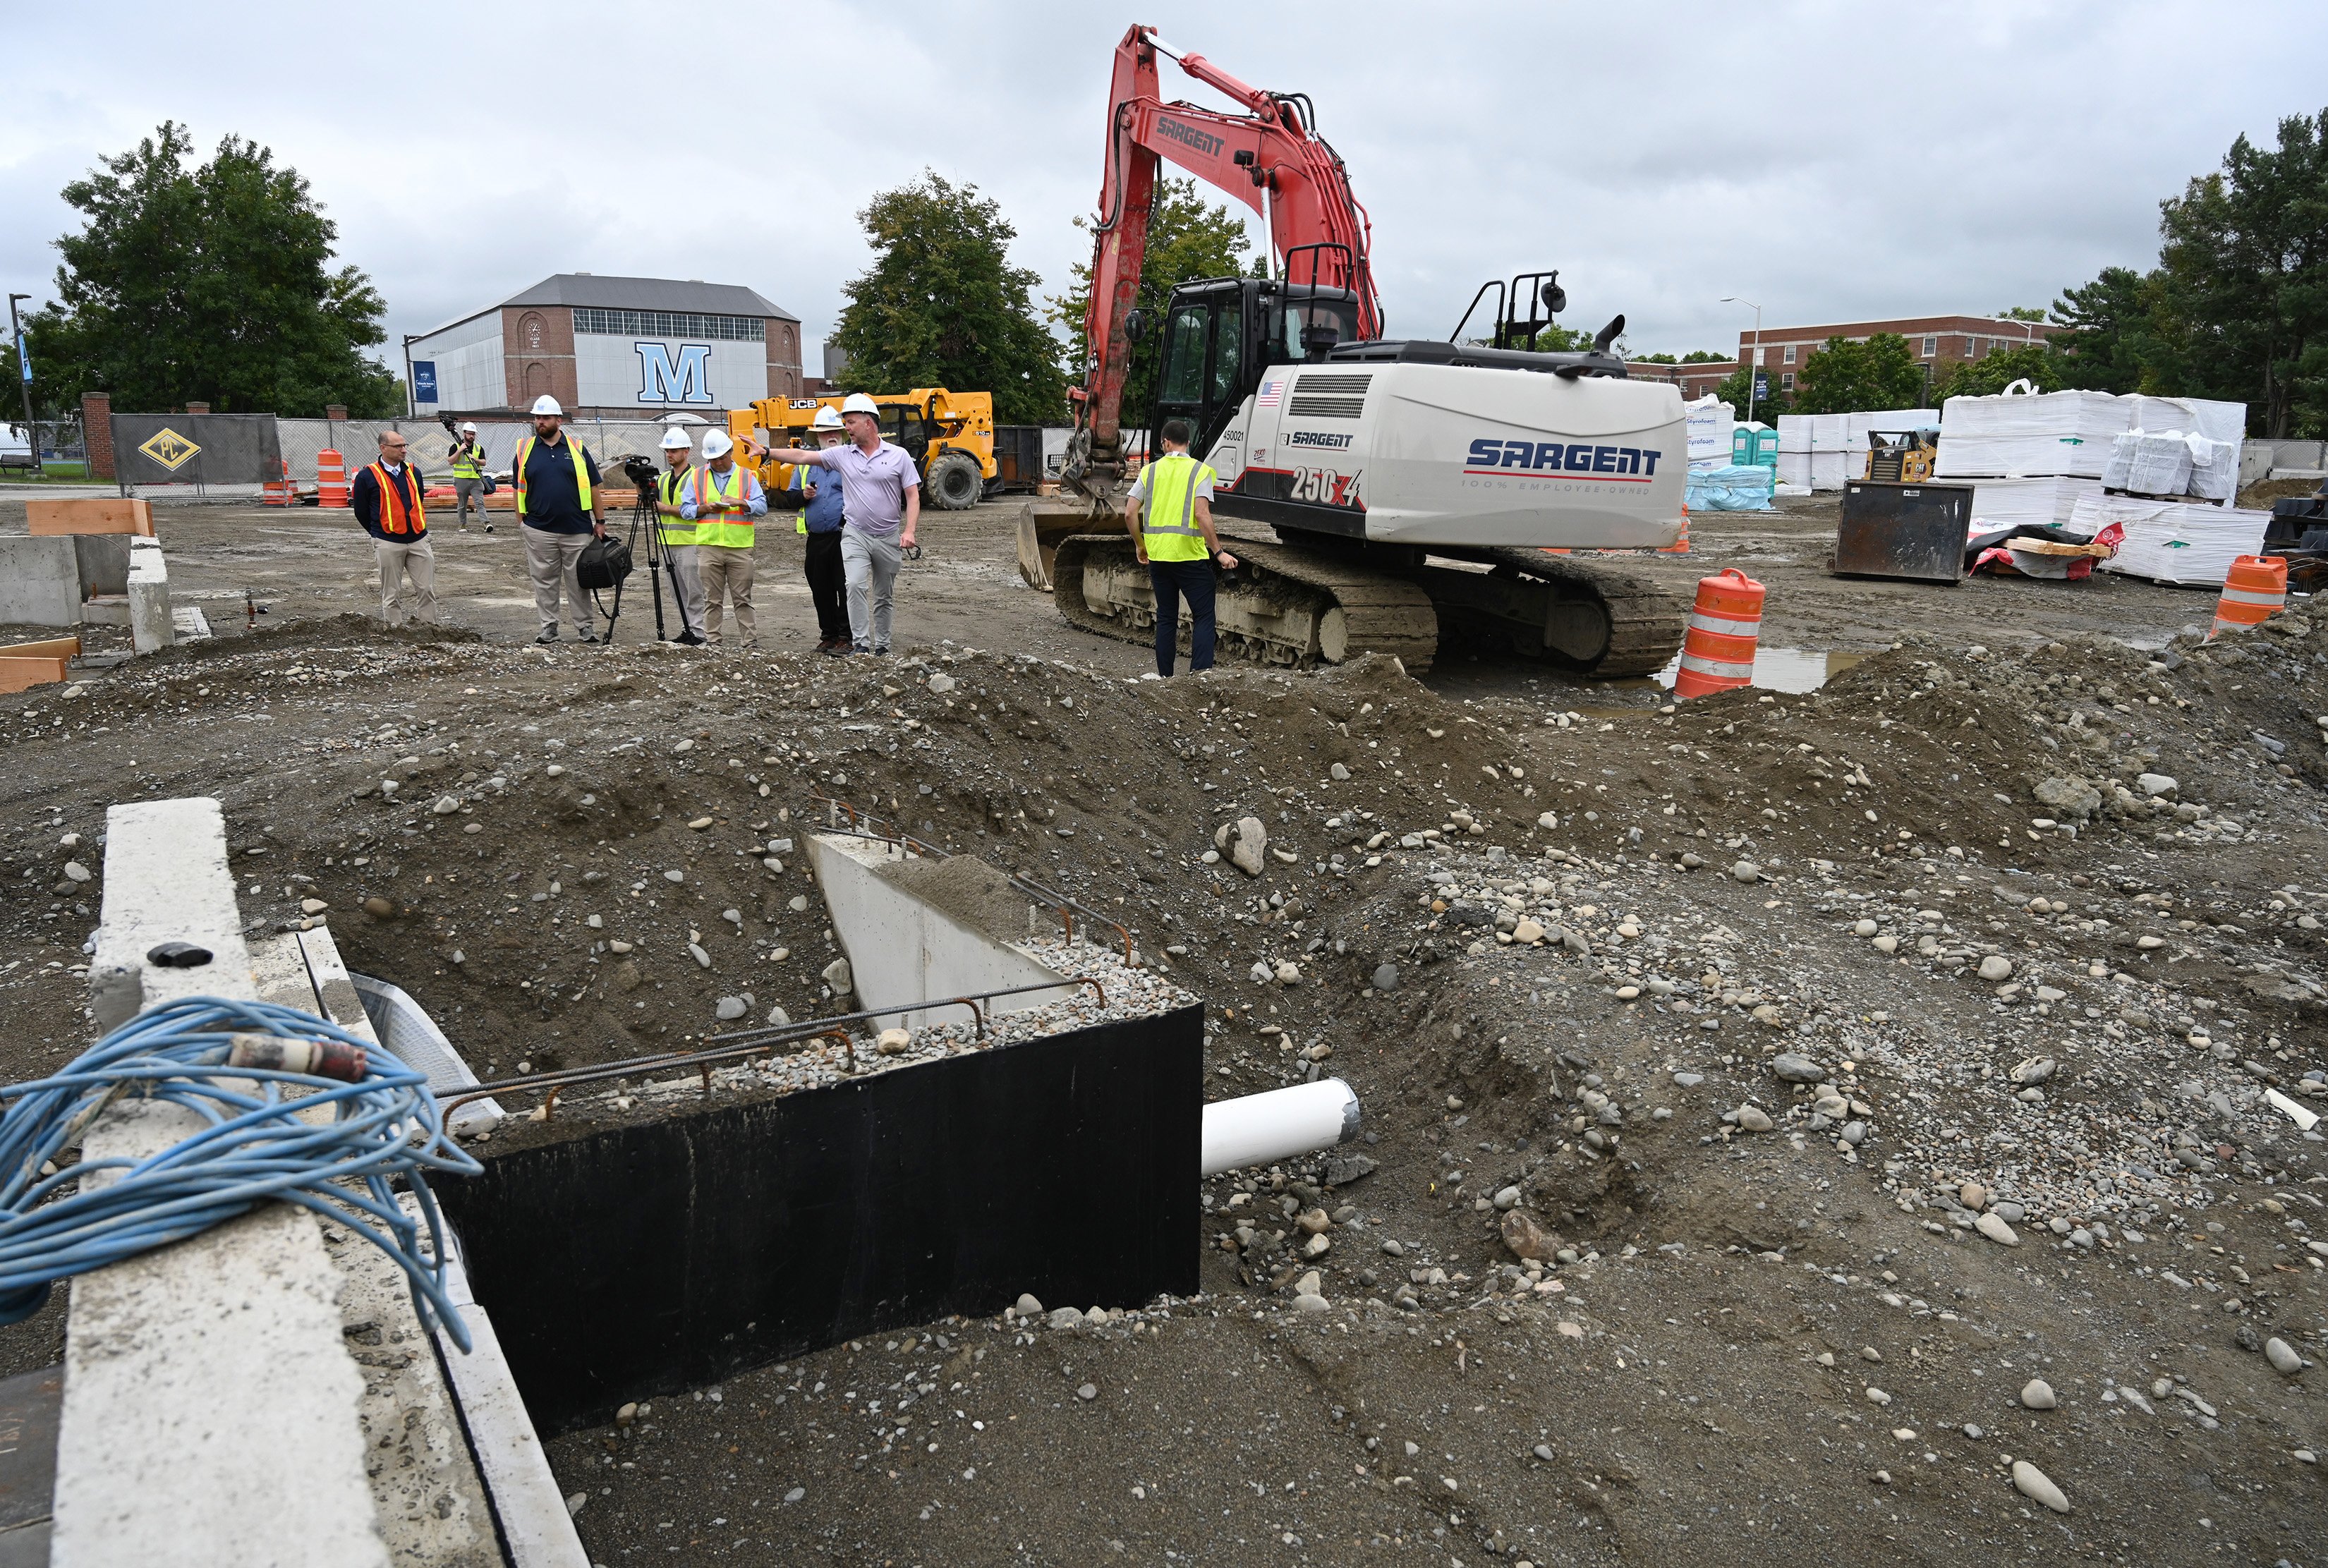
882,501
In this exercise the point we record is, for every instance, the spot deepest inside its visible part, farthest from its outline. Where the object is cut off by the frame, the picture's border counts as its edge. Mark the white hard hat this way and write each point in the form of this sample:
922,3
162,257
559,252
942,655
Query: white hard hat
715,443
675,440
827,419
859,403
545,404
469,426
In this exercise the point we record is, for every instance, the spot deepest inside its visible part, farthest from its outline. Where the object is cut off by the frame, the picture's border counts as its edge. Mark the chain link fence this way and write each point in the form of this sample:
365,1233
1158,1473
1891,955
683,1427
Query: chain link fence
357,441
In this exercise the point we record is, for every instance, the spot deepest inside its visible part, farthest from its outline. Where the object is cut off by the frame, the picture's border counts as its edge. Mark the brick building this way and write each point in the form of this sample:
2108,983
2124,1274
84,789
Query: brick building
1938,342
609,347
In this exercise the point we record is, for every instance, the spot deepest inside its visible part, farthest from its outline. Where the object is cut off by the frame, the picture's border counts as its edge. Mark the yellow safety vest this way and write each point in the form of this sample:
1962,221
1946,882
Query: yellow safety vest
714,509
1168,526
581,472
464,465
676,531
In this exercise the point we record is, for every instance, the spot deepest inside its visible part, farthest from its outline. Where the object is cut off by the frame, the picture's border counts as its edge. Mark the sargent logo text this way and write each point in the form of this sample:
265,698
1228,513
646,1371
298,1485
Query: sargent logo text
1317,439
1189,135
1492,454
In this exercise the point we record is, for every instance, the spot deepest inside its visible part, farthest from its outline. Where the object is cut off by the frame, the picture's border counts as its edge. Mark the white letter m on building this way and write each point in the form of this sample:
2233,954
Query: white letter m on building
666,378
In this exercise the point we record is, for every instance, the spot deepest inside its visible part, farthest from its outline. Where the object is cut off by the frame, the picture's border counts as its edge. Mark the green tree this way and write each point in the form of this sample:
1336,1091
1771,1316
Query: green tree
1703,357
2021,313
2110,330
1986,377
1187,238
1847,377
2242,299
210,283
943,306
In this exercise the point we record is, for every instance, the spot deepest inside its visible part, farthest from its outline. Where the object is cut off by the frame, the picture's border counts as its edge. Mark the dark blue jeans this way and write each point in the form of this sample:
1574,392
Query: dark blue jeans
1173,581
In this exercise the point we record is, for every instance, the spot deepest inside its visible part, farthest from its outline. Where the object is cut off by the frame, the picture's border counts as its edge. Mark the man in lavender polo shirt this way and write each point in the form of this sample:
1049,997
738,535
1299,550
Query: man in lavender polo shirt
881,498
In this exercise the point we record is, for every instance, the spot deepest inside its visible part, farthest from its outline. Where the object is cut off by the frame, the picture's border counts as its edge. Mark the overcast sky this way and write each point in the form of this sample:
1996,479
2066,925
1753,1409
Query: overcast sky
1830,161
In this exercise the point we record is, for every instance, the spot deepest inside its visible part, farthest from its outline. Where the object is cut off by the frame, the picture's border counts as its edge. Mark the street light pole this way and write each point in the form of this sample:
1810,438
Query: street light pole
24,381
1752,371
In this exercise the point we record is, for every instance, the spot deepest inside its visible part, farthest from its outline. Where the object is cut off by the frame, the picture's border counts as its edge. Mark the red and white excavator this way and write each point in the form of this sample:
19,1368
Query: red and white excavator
1413,486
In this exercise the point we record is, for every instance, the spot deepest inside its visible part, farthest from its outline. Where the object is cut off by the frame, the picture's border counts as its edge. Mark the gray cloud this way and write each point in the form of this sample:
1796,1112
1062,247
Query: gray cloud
1827,162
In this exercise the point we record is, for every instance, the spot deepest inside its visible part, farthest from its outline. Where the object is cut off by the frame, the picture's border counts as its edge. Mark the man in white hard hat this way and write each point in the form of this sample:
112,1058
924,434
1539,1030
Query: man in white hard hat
679,536
558,509
882,499
722,498
820,520
468,456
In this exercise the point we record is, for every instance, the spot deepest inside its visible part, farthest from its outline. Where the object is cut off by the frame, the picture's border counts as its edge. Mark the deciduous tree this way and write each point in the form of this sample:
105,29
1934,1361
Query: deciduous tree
1845,377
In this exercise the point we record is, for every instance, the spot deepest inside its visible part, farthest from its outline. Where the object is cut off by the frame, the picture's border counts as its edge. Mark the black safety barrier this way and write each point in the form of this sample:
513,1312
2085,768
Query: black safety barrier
646,1259
200,449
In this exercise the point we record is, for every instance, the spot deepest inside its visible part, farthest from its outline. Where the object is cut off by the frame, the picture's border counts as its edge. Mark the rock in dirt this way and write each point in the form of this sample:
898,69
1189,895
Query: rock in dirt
1887,944
1028,1306
730,1009
1754,1119
1992,1225
1995,967
1341,1168
893,1042
2036,1486
2282,1357
839,977
378,908
1065,1318
2031,1071
2068,796
2157,785
1252,841
1385,977
1797,1069
1528,1238
2037,1395
1746,872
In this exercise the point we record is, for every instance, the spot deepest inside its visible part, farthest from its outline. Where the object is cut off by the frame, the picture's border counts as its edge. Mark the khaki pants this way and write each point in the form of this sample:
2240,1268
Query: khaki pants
398,563
727,571
549,561
687,585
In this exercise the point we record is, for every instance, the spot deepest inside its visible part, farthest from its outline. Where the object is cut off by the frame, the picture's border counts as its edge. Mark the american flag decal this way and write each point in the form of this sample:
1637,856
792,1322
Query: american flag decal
1270,393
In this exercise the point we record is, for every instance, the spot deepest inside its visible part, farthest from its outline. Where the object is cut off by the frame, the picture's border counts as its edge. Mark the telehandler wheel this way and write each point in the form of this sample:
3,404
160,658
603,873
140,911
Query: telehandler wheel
954,482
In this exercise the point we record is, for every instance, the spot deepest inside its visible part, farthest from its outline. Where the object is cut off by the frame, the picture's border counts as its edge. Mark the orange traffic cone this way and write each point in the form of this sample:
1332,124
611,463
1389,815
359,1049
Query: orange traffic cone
1718,653
331,479
2253,593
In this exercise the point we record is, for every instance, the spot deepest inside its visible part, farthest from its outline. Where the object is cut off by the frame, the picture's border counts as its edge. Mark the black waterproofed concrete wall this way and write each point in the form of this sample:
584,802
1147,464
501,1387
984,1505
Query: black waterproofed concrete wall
647,1258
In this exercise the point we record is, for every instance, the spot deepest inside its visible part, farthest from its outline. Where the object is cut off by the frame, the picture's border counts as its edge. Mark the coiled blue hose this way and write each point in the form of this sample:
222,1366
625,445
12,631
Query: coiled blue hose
383,1127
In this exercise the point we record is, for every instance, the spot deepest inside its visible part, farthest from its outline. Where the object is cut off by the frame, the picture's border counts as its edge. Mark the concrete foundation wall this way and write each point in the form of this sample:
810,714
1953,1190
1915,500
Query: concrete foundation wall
901,950
40,581
150,627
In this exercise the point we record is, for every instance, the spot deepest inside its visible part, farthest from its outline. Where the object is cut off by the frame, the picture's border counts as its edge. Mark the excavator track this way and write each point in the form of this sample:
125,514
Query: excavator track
1594,617
1295,605
1281,606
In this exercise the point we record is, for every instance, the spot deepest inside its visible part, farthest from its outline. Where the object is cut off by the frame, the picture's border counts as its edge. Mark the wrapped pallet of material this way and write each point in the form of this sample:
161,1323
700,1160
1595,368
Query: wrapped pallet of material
2030,433
2162,464
1710,423
2042,502
1794,434
1738,487
1831,467
2172,541
2214,473
1794,469
1885,421
2118,468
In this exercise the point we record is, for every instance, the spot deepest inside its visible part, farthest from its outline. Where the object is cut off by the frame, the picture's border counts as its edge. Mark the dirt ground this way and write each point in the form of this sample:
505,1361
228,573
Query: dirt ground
1759,1096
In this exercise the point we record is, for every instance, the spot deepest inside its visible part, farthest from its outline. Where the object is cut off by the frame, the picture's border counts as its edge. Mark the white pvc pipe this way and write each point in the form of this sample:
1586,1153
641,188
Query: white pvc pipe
1263,1128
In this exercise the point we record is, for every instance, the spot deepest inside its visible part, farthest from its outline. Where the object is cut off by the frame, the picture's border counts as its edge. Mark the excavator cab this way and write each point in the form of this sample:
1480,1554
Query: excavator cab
1220,333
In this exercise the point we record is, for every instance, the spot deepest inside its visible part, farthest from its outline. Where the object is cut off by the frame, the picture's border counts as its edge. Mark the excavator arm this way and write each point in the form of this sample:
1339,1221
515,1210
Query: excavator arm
1270,158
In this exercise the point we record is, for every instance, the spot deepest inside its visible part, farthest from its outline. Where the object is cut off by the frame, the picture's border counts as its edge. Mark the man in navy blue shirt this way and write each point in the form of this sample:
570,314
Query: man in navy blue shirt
827,577
560,509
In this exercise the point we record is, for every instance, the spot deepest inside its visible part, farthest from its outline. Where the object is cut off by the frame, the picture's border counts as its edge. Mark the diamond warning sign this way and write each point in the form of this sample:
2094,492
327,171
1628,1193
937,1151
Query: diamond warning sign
168,448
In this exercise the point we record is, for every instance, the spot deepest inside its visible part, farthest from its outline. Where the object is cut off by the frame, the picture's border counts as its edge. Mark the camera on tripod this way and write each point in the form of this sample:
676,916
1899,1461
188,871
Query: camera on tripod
640,471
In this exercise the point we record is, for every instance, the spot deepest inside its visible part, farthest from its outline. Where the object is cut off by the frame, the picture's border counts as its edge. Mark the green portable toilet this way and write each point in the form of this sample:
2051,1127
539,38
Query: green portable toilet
1766,448
1742,446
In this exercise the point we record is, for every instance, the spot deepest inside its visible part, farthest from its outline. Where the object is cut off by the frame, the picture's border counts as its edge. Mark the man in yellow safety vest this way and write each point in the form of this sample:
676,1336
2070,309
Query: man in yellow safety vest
560,509
678,537
1169,514
722,499
468,458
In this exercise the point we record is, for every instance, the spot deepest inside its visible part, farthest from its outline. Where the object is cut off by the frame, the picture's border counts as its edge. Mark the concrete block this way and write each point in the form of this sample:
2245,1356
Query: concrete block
104,562
150,626
40,582
210,1408
90,515
903,949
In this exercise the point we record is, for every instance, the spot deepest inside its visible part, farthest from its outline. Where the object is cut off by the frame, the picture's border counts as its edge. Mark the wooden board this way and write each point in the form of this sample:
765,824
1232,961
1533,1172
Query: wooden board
90,515
47,648
24,674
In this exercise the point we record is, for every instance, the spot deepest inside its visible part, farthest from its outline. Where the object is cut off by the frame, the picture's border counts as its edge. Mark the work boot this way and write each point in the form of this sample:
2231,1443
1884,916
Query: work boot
488,528
547,637
689,638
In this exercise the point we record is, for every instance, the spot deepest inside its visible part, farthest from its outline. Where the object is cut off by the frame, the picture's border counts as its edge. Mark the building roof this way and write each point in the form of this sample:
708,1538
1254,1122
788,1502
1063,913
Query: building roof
692,294
683,296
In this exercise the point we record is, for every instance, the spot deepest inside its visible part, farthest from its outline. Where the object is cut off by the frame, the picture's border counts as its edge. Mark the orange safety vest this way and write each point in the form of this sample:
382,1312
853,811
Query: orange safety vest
401,511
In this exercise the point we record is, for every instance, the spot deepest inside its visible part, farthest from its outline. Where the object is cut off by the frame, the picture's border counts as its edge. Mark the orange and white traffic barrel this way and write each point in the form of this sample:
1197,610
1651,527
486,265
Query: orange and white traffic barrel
2254,592
331,479
1681,545
280,491
1718,653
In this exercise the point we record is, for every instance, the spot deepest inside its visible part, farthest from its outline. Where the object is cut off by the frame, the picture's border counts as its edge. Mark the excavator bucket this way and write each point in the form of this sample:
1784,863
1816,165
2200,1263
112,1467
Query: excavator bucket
1042,524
